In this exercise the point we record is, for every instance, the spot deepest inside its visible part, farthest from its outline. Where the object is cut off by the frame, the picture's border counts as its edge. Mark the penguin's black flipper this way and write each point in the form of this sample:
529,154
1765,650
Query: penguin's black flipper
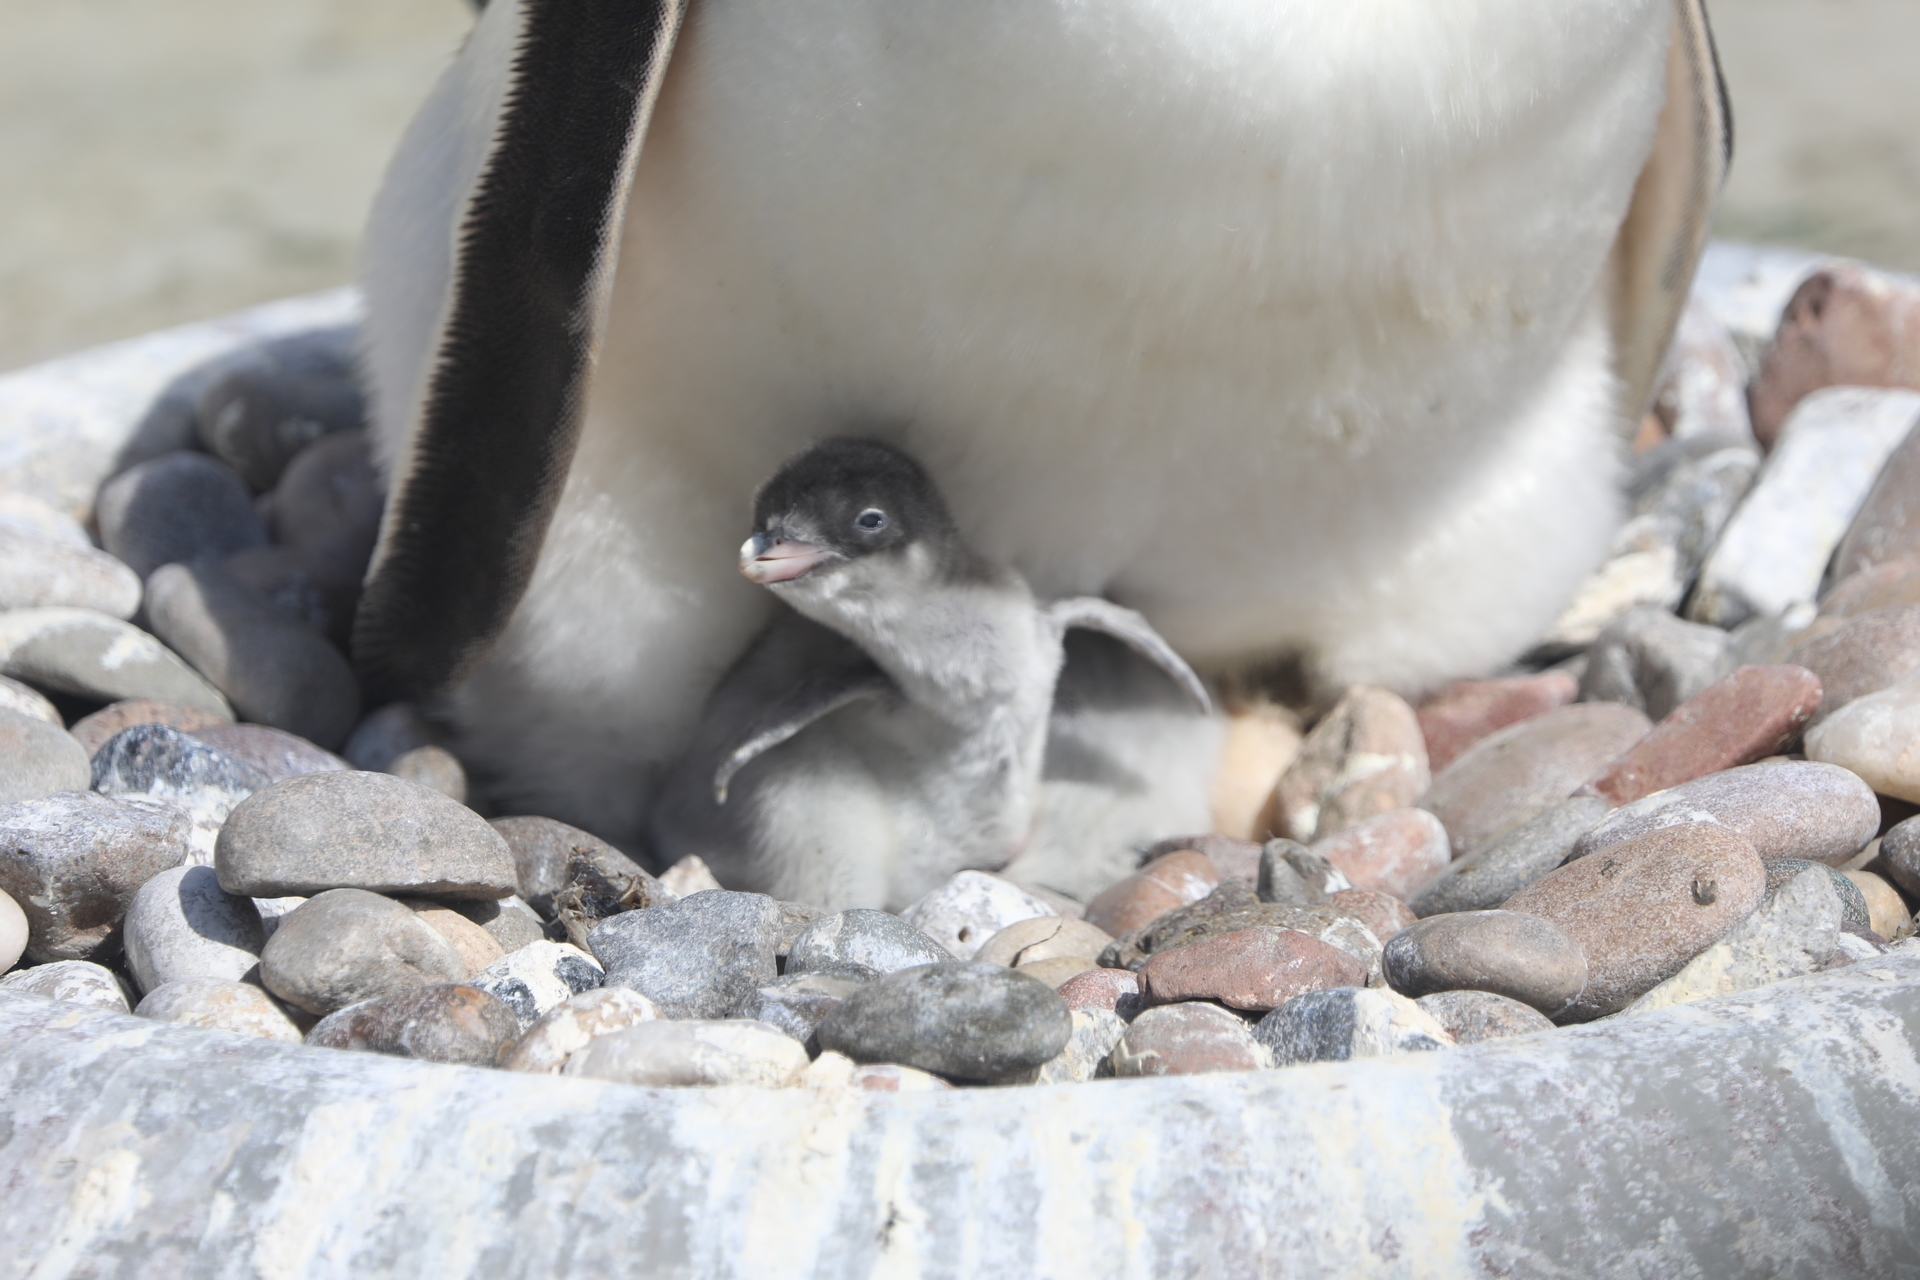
1090,613
818,697
495,429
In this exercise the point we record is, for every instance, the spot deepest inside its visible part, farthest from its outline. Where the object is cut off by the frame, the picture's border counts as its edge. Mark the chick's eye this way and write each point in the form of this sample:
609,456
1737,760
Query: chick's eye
872,520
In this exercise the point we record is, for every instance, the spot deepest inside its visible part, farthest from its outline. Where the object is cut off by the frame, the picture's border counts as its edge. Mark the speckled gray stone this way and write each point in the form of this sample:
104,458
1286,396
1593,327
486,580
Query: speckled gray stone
797,1002
1473,1016
347,945
690,1054
1793,932
73,861
103,659
38,571
275,752
538,977
72,981
700,957
441,1023
962,1019
1493,873
176,508
970,908
1652,661
160,763
1348,1022
239,1007
873,942
1853,903
1787,809
182,924
38,759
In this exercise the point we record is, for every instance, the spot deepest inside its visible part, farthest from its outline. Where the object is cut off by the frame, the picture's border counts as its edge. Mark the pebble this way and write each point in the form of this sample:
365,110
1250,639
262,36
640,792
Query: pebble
221,1005
1398,852
1495,872
1257,968
1682,502
1099,988
275,671
1897,582
668,1055
274,910
1863,655
1845,325
95,731
1775,549
959,1019
1262,740
329,503
75,981
100,658
476,946
1853,904
1292,873
794,919
1886,913
1186,1040
1887,527
1652,661
1877,738
1648,578
688,876
1233,907
38,759
155,762
1466,711
543,1049
442,1023
364,831
538,977
1523,957
73,861
1792,933
1472,1016
1042,939
1169,881
544,852
1900,854
700,957
21,700
1640,909
24,513
1785,809
263,410
1518,773
297,588
386,734
1753,713
434,768
1231,858
510,922
973,906
274,752
837,1071
1095,1034
1364,757
1768,641
37,571
1382,913
862,940
798,1002
13,933
347,945
1704,392
182,925
1346,1023
174,509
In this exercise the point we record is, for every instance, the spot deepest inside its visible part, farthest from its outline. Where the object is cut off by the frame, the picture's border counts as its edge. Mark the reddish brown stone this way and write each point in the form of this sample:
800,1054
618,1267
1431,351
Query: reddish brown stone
1398,853
1099,988
1895,582
1845,326
1468,710
1366,756
95,730
1249,969
1169,881
1187,1039
1232,858
1752,713
1382,913
1863,655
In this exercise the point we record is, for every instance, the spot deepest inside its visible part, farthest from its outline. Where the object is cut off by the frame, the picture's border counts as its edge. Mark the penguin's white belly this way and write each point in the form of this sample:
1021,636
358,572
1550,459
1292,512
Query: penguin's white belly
1278,320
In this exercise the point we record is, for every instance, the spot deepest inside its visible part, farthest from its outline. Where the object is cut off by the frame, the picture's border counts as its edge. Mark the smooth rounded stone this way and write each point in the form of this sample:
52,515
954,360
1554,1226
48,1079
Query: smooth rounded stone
476,946
434,768
1096,1033
155,762
1894,583
1169,881
24,513
1845,325
797,1002
100,658
699,957
1099,988
219,1004
182,925
73,861
1466,711
22,700
1525,769
298,587
349,829
1771,639
1523,957
386,734
1877,738
1292,873
1785,809
1640,909
1398,852
1058,969
964,912
95,731
510,922
329,504
1258,968
1652,661
1863,655
545,851
1232,858
1886,913
1853,904
1364,757
1887,526
1776,548
694,1053
837,1071
274,752
1472,1016
538,978
688,876
543,1049
1745,716
1187,1040
1793,932
1262,740
1900,855
1382,913
75,981
1044,938
176,508
1232,907
36,572
959,1019
444,1023
261,411
1344,1023
38,759
861,939
347,945
13,932
274,670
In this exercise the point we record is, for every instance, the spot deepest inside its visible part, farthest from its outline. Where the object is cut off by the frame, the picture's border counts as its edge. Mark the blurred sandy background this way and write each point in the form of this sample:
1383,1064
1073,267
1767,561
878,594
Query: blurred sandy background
168,161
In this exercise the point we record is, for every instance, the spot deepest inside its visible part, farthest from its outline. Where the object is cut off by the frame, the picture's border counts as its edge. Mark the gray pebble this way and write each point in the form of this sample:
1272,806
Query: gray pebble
508,921
538,977
1785,809
329,504
1095,1034
38,759
176,508
239,1007
275,752
75,981
441,1023
1900,854
1473,1016
21,700
155,762
700,957
1348,1022
964,912
347,945
1293,874
794,919
271,403
1853,903
387,734
364,831
103,659
1793,933
690,1054
182,924
37,571
432,767
1521,957
1653,662
798,1002
961,1019
1493,873
1233,907
73,861
862,940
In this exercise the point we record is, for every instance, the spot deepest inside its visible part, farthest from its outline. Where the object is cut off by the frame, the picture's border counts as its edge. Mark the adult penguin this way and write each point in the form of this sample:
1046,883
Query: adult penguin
1301,328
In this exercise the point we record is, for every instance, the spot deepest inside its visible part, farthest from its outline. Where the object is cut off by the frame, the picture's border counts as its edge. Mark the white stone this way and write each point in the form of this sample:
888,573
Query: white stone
543,1049
75,981
538,977
1793,933
693,1052
13,931
37,572
689,875
181,924
26,514
96,656
224,1006
1877,737
837,1071
18,698
1095,1033
1622,584
962,914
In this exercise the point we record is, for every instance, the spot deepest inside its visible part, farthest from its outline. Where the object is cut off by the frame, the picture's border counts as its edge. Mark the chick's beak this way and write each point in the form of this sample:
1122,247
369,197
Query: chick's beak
767,559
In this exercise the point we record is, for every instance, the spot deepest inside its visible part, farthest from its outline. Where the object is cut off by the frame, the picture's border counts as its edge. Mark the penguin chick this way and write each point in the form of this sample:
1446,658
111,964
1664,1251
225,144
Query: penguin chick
890,730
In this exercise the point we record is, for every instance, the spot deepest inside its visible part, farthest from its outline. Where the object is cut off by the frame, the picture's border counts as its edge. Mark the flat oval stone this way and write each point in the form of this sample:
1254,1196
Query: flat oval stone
959,1019
1256,968
220,1005
570,1025
175,508
1169,881
262,410
1793,932
182,925
1232,907
1640,909
1863,655
95,731
434,768
1044,938
155,762
1099,988
274,752
1366,756
36,572
1753,713
1876,738
1473,1016
91,655
13,933
1187,1040
1495,872
446,1023
700,957
21,700
1382,913
1343,1023
1900,855
692,1054
862,939
73,861
1785,809
537,978
1527,768
1468,710
74,981
970,908
358,830
1525,958
1398,852
38,759
347,945
1290,872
